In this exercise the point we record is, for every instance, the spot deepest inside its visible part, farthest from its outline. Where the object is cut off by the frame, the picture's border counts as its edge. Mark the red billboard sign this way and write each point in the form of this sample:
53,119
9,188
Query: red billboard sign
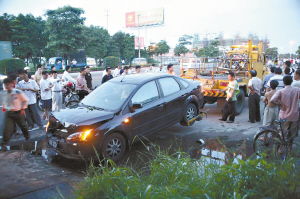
144,18
139,42
130,19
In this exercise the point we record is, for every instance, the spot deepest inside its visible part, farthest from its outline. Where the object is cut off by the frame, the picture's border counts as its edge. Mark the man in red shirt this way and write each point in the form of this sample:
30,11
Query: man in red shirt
288,100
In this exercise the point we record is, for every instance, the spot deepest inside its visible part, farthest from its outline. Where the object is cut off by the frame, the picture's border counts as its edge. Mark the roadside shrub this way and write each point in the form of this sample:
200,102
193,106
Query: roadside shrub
11,65
111,61
152,61
179,176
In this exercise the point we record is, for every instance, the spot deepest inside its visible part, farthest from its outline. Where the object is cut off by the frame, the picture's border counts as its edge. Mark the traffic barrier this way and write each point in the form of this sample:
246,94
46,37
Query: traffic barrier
214,93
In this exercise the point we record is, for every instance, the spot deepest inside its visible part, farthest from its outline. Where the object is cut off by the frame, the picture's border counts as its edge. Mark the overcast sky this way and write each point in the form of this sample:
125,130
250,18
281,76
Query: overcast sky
279,20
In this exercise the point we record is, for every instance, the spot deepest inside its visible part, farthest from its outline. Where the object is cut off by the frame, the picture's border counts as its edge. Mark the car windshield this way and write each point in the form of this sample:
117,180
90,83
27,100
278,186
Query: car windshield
109,96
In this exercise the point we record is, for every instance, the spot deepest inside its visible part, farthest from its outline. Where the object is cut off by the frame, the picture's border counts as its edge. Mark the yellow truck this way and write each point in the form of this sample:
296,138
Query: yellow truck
240,59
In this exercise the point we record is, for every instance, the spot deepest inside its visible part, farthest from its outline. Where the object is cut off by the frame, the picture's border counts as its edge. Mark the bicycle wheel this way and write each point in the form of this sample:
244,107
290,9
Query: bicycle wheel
266,143
282,151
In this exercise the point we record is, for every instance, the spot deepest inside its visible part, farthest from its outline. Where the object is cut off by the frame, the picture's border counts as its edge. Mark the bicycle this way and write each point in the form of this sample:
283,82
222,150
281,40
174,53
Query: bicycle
273,140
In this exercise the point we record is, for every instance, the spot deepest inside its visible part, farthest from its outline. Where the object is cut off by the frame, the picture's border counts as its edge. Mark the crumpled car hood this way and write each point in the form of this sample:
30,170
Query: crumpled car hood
82,116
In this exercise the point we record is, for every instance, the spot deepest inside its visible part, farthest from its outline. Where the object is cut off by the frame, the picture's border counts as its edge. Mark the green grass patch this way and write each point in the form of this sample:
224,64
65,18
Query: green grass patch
179,176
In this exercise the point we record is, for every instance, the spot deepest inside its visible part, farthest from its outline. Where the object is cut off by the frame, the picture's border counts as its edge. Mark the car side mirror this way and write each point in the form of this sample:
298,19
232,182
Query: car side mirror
137,106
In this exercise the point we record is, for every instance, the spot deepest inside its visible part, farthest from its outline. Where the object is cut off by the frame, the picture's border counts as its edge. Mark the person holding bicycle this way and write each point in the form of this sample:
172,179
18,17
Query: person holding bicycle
288,100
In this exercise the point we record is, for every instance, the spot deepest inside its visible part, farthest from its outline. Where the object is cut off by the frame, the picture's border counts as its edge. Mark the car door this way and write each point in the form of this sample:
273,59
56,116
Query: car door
150,117
173,98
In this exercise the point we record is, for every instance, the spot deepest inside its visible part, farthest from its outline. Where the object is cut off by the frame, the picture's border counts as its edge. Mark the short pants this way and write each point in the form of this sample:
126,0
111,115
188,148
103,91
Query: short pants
47,104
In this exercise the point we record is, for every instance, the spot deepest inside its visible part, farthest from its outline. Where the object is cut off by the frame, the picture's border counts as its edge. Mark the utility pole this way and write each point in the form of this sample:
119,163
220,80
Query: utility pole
107,15
139,44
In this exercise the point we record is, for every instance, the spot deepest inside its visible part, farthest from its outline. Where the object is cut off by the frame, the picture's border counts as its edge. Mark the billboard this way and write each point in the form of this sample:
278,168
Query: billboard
139,42
144,18
5,50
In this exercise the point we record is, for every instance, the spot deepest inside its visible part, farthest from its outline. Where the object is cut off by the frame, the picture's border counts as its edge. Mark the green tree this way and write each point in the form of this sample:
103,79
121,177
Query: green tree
180,49
65,28
113,49
272,52
161,48
211,50
97,42
5,29
122,45
28,36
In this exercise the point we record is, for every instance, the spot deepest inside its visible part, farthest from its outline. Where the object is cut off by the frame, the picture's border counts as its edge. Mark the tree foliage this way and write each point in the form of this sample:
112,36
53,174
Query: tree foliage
65,28
122,45
111,61
162,48
5,29
211,50
272,52
180,49
96,41
26,33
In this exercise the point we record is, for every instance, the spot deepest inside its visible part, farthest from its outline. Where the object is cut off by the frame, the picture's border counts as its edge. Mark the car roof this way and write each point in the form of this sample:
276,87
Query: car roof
139,78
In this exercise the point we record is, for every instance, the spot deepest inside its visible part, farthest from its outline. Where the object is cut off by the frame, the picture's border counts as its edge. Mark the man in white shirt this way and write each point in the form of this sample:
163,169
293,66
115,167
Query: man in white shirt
57,98
30,87
126,71
46,96
278,76
67,77
296,82
14,103
38,74
254,85
152,69
138,69
116,72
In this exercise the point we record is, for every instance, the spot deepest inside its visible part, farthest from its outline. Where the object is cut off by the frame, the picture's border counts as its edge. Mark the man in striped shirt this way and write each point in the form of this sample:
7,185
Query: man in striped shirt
14,104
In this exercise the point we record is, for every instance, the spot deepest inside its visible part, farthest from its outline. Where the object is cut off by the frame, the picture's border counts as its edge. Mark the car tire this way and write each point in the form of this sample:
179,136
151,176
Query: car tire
114,147
190,112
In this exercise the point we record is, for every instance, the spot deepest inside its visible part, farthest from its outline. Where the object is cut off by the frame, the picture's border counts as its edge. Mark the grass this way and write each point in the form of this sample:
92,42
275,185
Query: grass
178,176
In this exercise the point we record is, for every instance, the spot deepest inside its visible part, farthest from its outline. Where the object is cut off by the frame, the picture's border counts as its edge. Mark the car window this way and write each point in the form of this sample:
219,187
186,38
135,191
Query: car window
184,83
109,96
169,86
147,93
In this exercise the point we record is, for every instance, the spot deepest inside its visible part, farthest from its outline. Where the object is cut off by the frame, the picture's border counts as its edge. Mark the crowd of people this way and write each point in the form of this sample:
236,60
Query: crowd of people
282,96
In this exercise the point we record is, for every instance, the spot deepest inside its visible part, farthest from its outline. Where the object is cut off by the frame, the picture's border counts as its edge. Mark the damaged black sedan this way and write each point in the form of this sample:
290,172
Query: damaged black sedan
107,120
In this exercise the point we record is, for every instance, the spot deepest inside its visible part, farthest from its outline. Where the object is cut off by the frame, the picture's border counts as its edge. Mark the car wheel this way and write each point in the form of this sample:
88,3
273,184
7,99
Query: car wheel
190,112
114,147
